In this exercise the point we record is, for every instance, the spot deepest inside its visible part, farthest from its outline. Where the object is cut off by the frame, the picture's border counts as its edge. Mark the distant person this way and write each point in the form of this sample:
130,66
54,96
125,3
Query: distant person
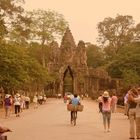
82,97
114,100
106,111
65,98
44,98
74,101
7,105
35,102
100,103
126,106
27,102
22,103
17,101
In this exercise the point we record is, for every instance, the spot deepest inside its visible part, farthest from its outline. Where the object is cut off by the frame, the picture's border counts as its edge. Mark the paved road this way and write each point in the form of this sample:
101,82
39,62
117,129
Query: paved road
52,122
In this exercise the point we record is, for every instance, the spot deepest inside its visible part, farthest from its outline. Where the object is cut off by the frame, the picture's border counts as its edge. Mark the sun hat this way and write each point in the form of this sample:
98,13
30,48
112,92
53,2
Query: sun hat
105,94
7,96
17,95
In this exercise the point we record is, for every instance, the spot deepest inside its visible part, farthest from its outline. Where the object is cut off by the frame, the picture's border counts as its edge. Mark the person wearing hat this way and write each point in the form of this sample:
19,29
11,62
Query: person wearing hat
106,110
17,103
7,105
134,113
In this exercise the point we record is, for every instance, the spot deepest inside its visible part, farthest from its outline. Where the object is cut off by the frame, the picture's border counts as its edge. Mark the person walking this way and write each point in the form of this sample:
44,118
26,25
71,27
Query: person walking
134,113
35,102
106,111
126,105
114,100
27,102
7,105
100,103
17,103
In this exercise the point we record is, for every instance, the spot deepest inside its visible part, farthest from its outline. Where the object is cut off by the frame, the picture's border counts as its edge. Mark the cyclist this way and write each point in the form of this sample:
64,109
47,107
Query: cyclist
74,101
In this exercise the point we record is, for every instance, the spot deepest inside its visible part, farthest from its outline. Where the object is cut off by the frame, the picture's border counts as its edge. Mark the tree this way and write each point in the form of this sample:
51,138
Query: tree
46,25
12,66
127,59
115,33
9,10
95,56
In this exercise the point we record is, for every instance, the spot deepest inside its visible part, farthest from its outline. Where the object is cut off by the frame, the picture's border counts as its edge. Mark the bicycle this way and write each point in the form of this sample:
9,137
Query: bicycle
74,116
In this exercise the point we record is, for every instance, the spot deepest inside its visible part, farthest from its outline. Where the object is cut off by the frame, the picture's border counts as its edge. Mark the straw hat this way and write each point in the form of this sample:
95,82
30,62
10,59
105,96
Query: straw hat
105,94
17,95
7,96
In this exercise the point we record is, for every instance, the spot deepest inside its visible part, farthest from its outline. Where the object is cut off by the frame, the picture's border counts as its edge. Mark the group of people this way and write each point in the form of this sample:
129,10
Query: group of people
17,103
107,105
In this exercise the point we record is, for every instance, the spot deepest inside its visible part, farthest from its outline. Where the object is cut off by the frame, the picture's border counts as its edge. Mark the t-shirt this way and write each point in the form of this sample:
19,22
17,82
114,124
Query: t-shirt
106,106
17,101
7,102
75,101
114,99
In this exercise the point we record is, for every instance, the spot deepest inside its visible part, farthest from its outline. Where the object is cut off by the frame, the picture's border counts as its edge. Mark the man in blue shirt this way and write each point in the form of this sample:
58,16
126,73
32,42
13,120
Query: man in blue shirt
74,101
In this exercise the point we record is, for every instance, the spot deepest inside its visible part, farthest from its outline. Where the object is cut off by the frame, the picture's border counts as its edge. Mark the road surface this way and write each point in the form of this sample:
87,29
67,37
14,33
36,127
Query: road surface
51,121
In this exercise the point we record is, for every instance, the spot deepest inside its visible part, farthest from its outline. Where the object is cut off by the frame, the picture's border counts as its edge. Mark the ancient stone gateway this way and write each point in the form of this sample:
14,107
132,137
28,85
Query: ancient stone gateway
68,64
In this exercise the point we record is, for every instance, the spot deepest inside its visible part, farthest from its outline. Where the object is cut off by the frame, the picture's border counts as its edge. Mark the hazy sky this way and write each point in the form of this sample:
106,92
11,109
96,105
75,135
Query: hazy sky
84,15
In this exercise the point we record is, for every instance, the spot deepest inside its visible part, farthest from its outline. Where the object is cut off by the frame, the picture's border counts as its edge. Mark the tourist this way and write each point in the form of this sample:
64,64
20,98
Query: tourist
22,103
7,105
40,99
35,102
17,101
27,102
106,111
65,98
126,105
100,103
134,114
74,101
114,100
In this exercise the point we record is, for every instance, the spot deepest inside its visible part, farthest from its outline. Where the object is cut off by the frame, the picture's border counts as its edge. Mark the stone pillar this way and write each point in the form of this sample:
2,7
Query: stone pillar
61,84
75,84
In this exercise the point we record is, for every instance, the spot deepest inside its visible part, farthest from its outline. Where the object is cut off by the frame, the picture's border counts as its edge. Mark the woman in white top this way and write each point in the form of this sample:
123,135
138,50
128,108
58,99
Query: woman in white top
17,103
35,101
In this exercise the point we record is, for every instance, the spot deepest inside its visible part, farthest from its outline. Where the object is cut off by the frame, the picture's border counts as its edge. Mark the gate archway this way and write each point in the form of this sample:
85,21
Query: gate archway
68,81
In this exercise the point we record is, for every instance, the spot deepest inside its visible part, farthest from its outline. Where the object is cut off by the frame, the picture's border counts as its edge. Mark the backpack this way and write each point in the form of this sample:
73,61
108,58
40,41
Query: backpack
7,102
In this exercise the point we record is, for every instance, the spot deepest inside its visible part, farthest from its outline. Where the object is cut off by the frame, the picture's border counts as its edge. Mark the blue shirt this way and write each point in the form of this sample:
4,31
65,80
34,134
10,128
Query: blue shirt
75,101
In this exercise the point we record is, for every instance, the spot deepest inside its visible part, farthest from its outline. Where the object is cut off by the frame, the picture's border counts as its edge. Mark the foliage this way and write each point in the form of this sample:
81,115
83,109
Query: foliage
9,11
130,78
12,62
128,59
46,25
95,56
117,32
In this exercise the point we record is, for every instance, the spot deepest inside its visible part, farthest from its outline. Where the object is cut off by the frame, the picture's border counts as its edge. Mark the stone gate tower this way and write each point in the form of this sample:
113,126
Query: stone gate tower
69,63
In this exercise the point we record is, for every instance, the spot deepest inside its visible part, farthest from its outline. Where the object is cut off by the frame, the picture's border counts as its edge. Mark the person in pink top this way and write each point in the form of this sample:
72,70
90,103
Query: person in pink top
114,100
106,111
